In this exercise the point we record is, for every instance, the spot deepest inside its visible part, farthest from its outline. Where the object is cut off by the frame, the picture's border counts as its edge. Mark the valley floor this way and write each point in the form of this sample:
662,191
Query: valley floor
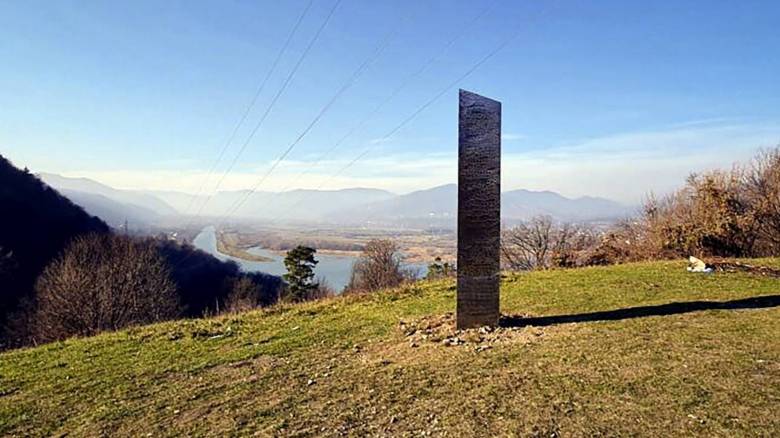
385,365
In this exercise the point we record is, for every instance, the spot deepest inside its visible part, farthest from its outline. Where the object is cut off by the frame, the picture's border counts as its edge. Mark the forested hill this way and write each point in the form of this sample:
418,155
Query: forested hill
35,225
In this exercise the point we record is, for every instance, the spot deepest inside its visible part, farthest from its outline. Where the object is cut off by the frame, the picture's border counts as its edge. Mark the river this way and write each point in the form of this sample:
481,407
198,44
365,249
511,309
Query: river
335,269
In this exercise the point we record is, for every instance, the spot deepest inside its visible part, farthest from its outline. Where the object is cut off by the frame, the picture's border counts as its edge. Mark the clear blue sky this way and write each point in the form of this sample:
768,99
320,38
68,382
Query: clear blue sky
610,98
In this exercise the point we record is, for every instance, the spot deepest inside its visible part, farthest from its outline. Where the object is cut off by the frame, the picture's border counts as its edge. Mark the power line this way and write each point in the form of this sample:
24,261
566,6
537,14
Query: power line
251,105
414,114
348,84
286,82
271,105
395,92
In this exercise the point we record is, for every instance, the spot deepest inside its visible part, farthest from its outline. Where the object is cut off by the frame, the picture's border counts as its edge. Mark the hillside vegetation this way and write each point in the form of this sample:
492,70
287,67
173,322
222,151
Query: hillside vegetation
385,364
36,223
39,228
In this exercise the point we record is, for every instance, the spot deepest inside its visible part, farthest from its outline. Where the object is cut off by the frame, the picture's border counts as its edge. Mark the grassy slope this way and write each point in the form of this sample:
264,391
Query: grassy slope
707,373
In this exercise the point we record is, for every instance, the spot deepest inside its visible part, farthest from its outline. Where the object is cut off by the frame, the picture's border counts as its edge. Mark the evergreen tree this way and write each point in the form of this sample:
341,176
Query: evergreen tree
300,265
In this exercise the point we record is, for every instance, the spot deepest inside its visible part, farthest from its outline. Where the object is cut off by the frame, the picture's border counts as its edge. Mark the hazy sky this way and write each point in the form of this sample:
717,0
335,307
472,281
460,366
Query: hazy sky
608,98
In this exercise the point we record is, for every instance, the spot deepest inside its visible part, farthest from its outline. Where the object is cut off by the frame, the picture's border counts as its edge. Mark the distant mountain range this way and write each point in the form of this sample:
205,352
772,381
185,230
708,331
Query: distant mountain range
432,207
301,205
112,205
439,206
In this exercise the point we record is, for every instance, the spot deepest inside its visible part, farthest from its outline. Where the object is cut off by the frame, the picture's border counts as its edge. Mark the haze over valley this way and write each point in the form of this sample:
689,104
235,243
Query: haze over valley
434,207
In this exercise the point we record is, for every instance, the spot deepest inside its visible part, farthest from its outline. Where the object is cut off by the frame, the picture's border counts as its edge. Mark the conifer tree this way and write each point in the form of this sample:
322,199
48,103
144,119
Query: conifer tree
300,265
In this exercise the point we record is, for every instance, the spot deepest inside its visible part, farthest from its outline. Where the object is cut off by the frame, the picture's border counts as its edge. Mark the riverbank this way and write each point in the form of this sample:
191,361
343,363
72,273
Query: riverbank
418,247
230,245
333,268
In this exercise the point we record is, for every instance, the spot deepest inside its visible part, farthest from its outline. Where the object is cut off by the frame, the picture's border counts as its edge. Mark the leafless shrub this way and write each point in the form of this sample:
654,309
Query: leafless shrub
244,295
732,213
102,282
626,241
709,216
380,266
540,243
323,290
762,187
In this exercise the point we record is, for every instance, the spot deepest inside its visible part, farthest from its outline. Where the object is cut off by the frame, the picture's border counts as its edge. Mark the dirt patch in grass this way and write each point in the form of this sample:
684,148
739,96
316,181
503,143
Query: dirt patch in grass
441,330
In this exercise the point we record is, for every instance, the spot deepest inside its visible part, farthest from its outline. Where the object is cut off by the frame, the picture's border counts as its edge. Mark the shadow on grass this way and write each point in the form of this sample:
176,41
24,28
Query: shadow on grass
639,312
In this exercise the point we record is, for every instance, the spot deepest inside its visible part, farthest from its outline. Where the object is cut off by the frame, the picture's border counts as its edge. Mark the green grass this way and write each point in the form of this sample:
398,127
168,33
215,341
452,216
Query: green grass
706,373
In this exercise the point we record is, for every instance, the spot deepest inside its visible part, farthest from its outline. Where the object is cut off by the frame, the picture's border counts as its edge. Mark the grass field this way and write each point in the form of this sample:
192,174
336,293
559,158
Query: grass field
356,366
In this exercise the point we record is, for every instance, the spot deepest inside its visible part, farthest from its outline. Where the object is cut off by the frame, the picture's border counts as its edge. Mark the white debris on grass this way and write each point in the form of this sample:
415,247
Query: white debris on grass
698,266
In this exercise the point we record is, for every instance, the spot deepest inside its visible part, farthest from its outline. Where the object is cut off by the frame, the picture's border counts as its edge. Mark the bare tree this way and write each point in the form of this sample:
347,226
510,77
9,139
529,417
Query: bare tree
103,282
570,242
762,184
244,295
378,267
540,243
626,241
527,246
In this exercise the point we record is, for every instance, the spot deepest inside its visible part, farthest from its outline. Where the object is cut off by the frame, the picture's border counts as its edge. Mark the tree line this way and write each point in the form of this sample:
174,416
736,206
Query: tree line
720,213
